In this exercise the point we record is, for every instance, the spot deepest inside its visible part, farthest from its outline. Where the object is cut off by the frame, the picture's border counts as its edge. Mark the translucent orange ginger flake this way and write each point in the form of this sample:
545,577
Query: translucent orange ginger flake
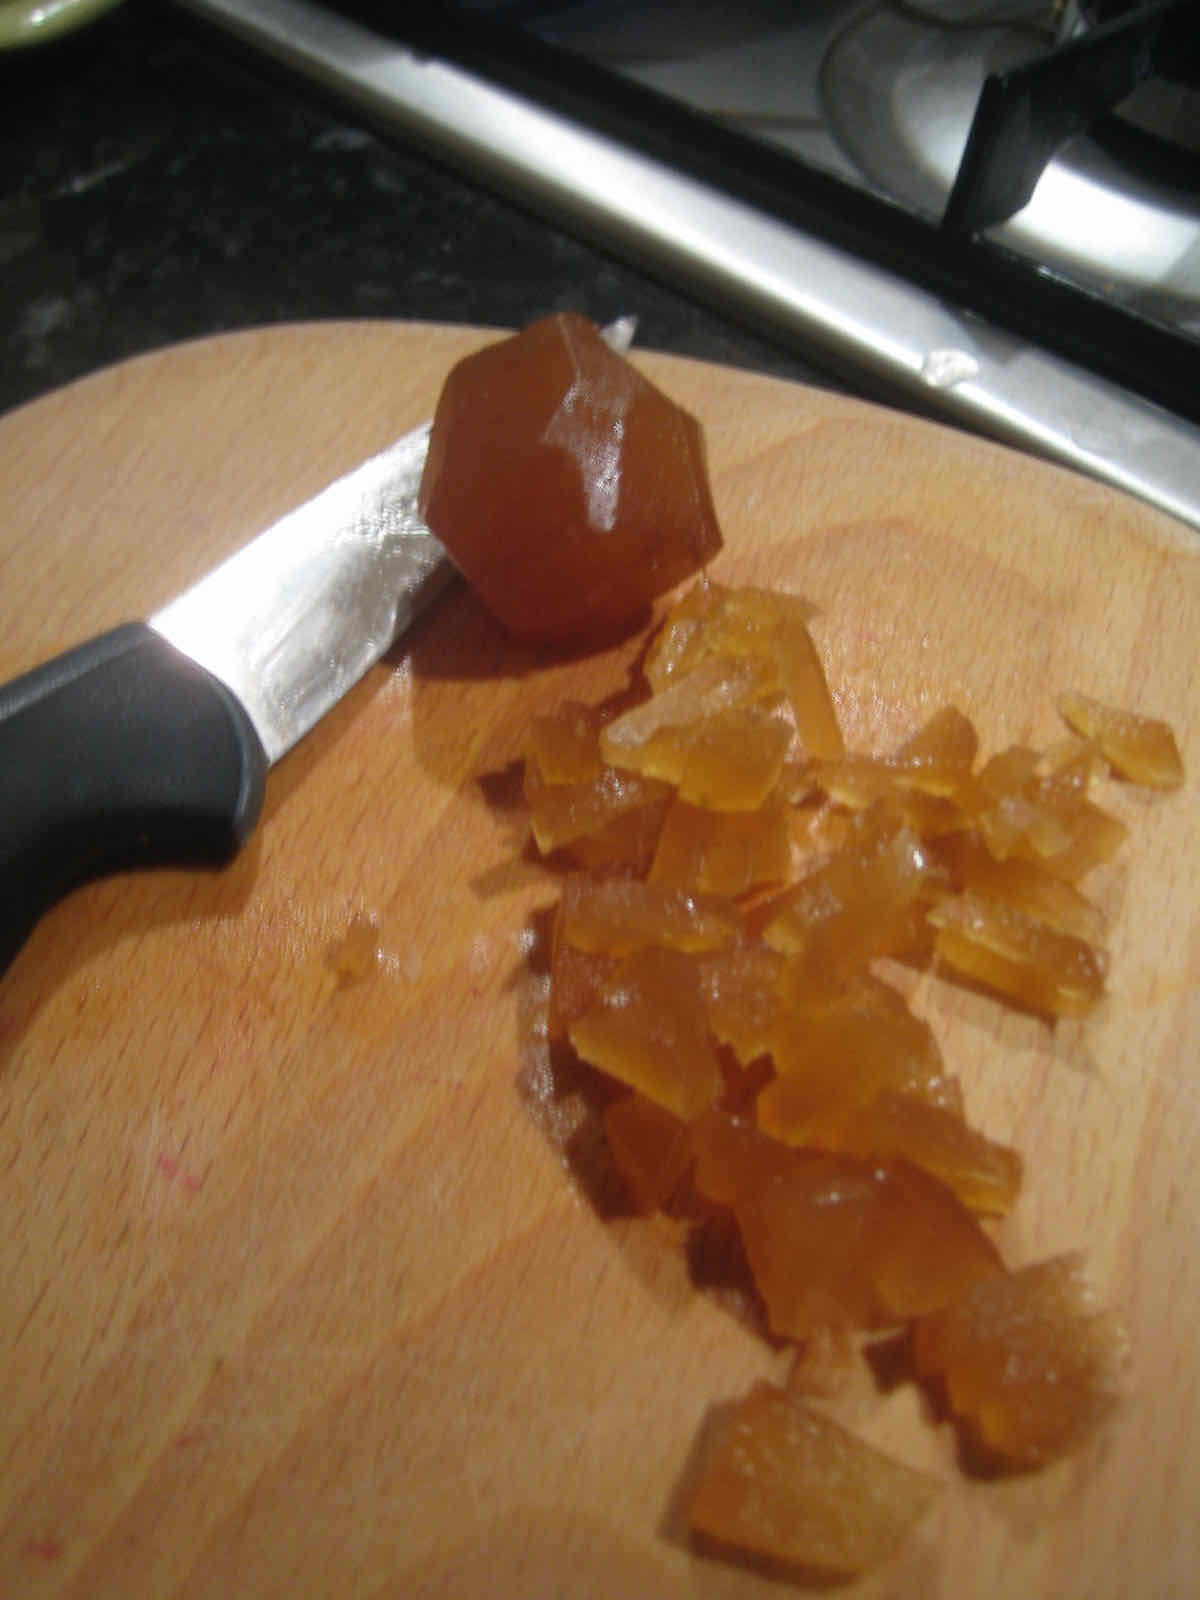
836,1240
1019,956
1049,899
660,737
941,754
573,814
1030,1364
835,1047
564,745
788,1485
857,905
985,1176
1043,817
647,1029
724,852
858,782
927,782
576,979
742,1000
356,954
1142,749
728,624
615,916
715,620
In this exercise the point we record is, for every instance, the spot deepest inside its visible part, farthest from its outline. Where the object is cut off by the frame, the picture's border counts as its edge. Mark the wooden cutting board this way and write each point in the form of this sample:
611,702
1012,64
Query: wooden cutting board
306,1286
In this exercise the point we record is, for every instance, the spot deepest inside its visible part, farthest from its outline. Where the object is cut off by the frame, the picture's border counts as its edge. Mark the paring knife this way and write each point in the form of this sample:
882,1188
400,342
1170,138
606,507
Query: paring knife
150,744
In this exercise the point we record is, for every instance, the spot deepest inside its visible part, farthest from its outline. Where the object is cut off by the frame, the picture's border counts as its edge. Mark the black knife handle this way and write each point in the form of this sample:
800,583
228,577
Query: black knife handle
120,753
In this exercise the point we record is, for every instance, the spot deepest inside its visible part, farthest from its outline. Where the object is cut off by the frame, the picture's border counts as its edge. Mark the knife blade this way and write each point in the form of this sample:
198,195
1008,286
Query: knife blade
149,745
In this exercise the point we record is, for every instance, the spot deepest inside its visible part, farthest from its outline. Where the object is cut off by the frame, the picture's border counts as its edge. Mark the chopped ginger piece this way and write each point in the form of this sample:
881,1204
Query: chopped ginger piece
739,987
650,1147
1140,748
654,738
840,1047
1006,949
856,905
732,760
648,1030
356,954
576,979
835,1239
861,781
563,814
941,753
626,843
1028,1361
984,1175
565,745
789,1485
1020,883
723,852
1043,818
806,687
615,916
712,620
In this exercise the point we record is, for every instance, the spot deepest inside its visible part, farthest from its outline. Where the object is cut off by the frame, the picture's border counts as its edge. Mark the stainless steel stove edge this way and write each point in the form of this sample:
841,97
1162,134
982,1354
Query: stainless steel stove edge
817,296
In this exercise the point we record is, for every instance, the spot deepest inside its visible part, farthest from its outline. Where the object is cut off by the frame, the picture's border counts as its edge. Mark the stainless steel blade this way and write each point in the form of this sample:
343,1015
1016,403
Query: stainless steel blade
296,617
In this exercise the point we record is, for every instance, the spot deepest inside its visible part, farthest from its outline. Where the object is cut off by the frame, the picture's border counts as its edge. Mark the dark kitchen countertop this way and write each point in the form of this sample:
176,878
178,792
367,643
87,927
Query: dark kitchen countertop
157,184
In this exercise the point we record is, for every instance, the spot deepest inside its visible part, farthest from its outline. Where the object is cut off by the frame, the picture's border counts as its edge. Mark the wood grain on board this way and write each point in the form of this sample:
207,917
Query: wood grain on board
305,1287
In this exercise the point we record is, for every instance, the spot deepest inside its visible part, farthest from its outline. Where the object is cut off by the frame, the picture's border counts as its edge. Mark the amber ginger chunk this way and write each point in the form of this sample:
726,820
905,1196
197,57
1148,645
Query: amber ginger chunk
576,979
941,754
562,815
1029,1362
648,1029
840,1047
1046,818
564,744
739,988
789,1485
835,1239
1140,748
626,844
656,738
733,760
723,852
714,620
1019,956
985,1176
857,782
856,905
1025,884
617,915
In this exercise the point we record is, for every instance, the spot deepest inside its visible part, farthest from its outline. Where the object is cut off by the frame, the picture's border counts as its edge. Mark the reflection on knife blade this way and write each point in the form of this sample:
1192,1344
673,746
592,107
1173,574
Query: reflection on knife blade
293,620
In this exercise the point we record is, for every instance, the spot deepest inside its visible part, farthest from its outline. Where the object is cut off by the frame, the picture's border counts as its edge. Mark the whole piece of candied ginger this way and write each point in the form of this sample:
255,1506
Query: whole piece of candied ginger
568,489
791,1486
